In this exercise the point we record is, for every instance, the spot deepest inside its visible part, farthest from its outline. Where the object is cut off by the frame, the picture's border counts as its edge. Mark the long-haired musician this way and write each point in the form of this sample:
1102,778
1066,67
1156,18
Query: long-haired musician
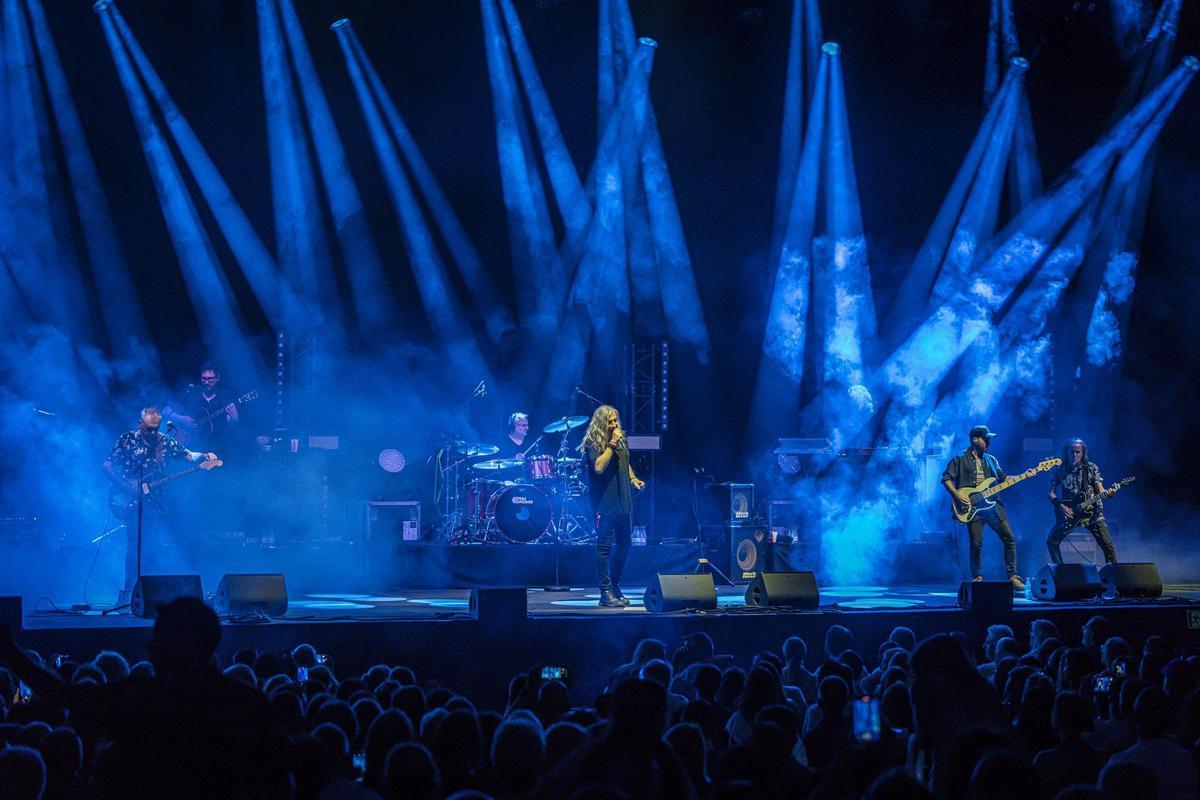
1078,480
610,479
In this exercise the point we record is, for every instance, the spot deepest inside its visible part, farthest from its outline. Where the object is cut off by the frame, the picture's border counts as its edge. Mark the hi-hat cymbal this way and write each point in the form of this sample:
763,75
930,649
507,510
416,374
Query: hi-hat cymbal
565,424
476,449
497,463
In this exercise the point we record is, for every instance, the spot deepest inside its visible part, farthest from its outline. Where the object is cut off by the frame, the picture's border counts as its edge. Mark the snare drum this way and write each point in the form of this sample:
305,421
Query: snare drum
521,513
539,467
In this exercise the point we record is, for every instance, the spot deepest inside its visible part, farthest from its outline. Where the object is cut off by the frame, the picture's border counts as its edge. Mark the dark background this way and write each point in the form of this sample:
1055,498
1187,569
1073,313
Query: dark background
914,74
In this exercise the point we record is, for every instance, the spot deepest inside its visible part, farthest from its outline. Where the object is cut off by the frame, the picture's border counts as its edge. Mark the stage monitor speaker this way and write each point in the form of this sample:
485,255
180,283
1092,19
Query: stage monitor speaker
152,591
784,589
10,612
1131,580
251,594
985,596
1065,582
668,593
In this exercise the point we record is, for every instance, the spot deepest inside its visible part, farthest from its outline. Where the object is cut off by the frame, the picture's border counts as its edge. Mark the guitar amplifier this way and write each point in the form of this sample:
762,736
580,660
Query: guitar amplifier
1080,548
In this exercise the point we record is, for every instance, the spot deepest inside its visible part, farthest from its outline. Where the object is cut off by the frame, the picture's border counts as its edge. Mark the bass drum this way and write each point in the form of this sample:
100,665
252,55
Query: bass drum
521,513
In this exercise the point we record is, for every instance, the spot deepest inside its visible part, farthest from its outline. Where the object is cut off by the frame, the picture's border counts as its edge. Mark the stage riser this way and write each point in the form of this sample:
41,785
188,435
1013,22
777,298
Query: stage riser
432,566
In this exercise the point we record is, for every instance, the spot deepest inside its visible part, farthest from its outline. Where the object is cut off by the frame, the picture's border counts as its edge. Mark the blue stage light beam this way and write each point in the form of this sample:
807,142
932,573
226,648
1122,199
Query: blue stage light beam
272,291
1109,312
31,240
442,310
980,210
374,305
680,296
842,271
947,238
776,404
1129,19
531,234
219,319
922,361
1024,168
123,321
301,247
804,46
560,168
487,299
599,295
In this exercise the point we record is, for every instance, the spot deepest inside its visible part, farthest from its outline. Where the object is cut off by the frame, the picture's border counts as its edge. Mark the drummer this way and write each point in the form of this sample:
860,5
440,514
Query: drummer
518,430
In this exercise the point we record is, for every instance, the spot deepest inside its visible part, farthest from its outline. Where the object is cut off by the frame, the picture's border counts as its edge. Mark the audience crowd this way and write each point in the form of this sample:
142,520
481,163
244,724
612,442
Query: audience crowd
1065,714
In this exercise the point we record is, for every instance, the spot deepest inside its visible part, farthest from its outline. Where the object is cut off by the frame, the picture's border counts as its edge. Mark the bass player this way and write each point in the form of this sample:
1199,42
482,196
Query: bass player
966,470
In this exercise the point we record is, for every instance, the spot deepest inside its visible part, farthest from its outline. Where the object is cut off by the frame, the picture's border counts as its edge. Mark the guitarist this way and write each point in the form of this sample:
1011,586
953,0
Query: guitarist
197,409
140,456
967,470
1076,481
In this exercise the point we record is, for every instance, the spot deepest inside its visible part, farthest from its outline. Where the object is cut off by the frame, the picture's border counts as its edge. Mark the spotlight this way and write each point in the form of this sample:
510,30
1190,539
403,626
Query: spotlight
100,6
341,23
391,460
1192,63
646,41
832,48
1019,62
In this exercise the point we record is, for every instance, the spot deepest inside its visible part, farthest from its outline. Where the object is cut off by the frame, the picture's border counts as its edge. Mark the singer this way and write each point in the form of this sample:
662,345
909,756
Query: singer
609,480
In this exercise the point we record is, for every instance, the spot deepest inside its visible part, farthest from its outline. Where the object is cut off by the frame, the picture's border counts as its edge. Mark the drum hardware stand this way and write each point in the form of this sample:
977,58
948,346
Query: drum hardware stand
703,564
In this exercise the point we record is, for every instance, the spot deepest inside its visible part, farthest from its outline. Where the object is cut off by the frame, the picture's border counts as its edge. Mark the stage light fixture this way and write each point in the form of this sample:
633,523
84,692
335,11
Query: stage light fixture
392,460
339,24
646,41
1019,62
100,6
832,48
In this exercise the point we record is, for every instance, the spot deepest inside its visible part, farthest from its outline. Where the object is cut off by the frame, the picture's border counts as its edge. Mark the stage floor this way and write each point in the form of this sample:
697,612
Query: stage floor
424,604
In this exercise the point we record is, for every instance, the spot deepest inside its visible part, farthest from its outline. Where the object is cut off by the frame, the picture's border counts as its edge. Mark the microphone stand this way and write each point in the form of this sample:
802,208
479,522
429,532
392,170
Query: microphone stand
140,511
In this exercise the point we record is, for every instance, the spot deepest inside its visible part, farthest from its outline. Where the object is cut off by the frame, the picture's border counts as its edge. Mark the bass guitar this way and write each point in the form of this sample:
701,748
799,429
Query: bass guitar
972,500
124,502
1082,512
206,425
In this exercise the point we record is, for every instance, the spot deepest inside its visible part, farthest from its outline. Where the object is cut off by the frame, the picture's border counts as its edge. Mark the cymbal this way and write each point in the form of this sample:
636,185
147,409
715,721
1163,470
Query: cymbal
497,463
475,449
564,424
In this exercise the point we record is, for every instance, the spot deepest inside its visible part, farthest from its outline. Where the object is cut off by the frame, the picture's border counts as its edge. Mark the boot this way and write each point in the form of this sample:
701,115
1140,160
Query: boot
610,600
617,593
1018,584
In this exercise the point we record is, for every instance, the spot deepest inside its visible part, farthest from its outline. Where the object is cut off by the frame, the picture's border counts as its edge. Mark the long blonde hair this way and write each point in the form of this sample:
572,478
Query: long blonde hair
597,431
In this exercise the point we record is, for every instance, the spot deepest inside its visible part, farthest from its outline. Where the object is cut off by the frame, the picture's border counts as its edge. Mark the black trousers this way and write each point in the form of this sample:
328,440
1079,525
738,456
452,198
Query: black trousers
1099,531
997,520
614,537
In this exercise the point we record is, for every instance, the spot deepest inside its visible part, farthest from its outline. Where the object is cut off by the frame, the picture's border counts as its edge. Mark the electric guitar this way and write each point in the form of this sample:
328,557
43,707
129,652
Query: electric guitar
206,425
974,499
1082,511
123,502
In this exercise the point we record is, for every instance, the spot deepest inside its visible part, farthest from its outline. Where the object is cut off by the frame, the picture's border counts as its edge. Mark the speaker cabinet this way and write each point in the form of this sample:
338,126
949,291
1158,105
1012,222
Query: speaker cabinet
989,596
750,552
152,591
1065,582
1131,580
668,593
251,594
785,589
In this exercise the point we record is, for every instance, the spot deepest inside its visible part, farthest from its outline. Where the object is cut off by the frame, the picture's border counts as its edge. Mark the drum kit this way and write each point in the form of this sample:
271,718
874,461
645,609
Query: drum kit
535,499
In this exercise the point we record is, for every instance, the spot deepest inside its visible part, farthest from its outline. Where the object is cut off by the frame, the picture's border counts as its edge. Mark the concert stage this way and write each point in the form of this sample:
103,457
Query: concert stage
438,632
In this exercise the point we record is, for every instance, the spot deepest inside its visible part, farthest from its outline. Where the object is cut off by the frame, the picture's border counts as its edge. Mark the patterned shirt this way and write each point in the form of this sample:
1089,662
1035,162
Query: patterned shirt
1078,482
138,453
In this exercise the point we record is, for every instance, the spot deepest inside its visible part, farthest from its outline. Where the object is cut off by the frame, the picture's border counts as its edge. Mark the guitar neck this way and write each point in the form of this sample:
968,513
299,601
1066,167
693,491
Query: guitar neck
999,487
169,478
